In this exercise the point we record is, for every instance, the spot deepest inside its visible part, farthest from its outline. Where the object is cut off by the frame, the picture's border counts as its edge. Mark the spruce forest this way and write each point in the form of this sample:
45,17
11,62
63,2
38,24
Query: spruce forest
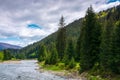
90,44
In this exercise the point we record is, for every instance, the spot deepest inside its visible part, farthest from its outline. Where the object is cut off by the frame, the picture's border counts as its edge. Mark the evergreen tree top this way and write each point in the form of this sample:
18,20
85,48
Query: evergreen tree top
62,22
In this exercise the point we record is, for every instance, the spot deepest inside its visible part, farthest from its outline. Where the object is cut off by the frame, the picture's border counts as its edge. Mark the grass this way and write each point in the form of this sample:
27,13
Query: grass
58,67
94,74
52,67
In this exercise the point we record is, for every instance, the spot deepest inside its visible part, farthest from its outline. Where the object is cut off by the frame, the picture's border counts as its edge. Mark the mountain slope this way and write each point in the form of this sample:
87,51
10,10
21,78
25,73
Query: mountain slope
8,46
73,30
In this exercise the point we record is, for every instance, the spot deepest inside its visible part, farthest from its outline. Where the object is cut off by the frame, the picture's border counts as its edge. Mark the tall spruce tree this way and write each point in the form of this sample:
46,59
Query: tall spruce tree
106,46
78,46
70,51
61,39
90,41
114,60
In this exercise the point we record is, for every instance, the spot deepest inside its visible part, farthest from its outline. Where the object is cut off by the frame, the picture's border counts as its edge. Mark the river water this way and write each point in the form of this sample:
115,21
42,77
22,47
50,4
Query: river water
25,70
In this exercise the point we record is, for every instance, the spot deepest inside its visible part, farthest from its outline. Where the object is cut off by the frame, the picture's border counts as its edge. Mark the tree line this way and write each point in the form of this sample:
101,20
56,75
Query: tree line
11,54
5,55
97,48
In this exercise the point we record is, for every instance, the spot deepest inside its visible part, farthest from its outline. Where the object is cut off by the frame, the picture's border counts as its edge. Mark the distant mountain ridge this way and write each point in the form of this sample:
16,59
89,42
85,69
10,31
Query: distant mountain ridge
8,46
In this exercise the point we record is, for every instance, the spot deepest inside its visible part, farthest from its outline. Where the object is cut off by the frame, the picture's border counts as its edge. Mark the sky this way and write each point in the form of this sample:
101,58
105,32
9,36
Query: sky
23,22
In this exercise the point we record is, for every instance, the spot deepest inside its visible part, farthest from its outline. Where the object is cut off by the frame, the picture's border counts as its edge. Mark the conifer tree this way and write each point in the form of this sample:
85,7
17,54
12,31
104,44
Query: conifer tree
106,46
78,46
90,41
114,60
61,39
47,60
70,50
72,63
54,56
42,53
65,59
7,55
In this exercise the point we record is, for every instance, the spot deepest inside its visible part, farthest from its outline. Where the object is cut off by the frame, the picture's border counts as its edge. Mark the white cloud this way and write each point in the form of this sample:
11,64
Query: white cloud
15,16
105,6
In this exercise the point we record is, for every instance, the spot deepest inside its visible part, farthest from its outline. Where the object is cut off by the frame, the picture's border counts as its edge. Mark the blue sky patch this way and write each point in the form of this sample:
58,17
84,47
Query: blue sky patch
34,26
110,1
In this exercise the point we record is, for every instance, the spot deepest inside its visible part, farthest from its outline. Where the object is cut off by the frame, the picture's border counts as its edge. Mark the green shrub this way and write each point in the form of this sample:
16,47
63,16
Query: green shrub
72,63
1,55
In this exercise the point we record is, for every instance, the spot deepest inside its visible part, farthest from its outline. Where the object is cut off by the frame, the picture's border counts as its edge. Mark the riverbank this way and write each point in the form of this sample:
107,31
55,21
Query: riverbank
11,62
71,74
64,73
26,70
15,61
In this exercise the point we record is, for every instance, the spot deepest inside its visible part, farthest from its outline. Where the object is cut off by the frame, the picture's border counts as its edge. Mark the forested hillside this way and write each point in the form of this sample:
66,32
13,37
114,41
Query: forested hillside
90,44
60,39
72,31
96,50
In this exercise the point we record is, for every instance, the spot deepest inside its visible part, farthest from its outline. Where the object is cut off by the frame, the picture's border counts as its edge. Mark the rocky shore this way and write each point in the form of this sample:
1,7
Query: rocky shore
11,61
67,74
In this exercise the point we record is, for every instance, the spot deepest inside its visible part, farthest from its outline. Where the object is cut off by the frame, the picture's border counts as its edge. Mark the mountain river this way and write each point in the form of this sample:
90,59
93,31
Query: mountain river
25,70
